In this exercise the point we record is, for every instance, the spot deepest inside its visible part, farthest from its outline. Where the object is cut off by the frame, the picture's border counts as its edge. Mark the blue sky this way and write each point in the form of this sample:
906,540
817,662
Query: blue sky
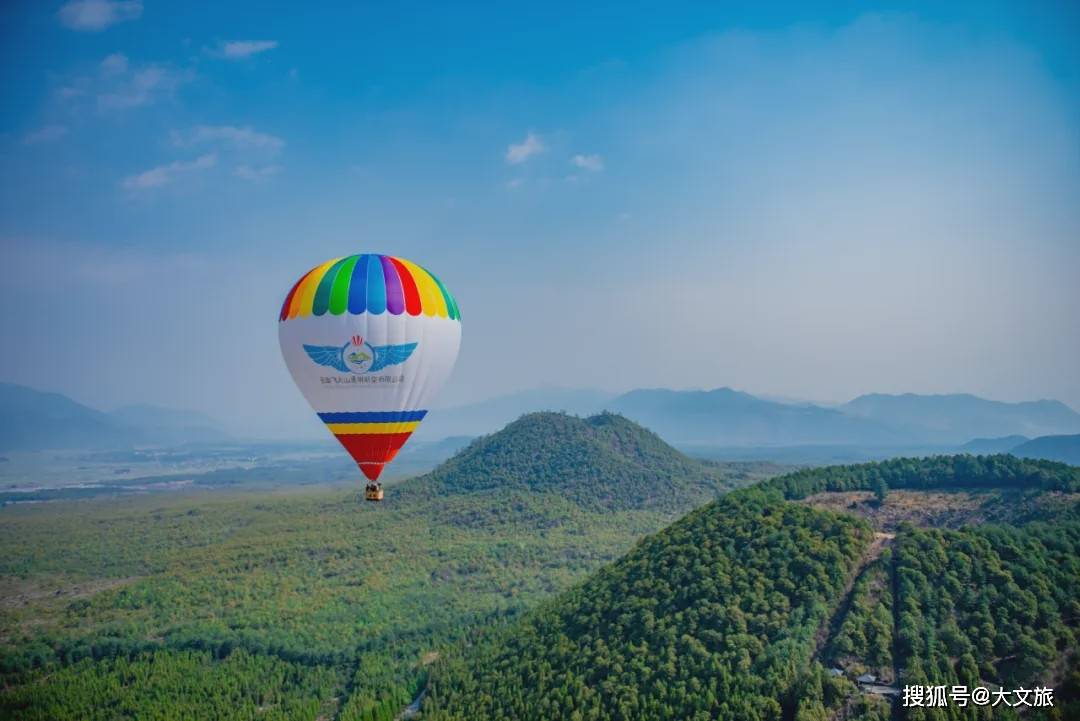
809,200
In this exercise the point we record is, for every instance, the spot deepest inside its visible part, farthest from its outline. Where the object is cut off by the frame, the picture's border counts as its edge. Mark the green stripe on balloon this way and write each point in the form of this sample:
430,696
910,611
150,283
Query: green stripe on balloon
322,293
339,293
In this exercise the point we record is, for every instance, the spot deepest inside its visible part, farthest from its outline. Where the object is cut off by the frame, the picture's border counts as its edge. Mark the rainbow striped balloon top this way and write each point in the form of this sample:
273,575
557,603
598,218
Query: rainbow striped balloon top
369,283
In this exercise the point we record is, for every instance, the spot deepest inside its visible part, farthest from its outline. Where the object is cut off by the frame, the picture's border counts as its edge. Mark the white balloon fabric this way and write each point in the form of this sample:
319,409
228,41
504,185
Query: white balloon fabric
369,340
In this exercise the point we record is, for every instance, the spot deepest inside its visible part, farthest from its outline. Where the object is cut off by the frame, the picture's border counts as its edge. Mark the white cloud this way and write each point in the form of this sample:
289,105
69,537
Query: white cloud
240,49
115,64
120,84
67,92
96,15
163,174
518,153
515,183
256,175
593,163
133,88
45,134
238,137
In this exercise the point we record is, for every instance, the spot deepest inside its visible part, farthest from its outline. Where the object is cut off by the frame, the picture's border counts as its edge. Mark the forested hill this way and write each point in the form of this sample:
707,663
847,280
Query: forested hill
710,618
962,471
737,610
605,461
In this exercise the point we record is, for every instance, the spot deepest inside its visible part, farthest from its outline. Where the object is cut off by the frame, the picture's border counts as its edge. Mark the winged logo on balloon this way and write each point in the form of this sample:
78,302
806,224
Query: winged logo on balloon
357,356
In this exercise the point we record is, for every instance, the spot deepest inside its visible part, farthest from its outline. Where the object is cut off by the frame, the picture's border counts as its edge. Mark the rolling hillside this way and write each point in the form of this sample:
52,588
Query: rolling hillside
602,462
735,611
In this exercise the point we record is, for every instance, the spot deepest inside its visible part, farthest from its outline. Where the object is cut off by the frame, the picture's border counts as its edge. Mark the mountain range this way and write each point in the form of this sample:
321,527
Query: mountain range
38,420
713,423
959,417
726,418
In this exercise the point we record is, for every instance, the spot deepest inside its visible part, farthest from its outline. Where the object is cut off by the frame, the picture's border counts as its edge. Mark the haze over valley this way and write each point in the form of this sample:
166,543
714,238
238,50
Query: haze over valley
427,361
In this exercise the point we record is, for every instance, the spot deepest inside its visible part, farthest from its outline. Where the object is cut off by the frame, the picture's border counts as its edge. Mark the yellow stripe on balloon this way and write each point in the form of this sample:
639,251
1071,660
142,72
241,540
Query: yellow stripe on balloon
351,429
430,296
304,297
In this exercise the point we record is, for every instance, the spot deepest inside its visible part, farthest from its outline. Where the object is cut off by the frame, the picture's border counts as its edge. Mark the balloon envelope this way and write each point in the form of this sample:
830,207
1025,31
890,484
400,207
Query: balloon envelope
369,340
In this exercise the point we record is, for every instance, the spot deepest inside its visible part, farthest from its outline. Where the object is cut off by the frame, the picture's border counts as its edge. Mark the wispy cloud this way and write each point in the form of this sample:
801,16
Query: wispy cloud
120,84
164,174
71,91
45,134
240,49
518,153
142,88
115,64
256,175
97,15
237,137
593,163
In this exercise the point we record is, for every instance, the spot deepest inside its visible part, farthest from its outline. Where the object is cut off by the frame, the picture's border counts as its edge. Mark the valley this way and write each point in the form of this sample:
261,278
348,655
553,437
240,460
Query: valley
564,567
199,598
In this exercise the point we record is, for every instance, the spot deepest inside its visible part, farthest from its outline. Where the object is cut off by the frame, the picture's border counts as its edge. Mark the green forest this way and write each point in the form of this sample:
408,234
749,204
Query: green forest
755,607
307,602
545,572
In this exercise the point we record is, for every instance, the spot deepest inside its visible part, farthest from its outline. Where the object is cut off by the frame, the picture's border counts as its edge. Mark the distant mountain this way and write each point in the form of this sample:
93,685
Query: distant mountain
169,426
988,446
959,417
605,461
488,416
1065,449
725,417
728,419
36,420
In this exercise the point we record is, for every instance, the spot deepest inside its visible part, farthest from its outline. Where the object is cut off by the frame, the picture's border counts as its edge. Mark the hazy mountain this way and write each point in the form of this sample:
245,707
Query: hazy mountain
604,461
169,426
959,417
988,446
725,417
35,420
490,415
1065,449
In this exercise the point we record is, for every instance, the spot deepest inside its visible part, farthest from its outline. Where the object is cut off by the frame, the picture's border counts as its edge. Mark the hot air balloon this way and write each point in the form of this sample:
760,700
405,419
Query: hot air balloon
369,340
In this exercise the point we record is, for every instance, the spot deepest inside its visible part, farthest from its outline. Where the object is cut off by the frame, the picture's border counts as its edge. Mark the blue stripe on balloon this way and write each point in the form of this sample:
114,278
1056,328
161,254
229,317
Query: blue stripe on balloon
358,285
376,286
372,417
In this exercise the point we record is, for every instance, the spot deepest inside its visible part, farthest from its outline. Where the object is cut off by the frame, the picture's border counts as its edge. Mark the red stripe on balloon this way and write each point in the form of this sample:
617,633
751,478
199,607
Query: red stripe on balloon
289,297
408,285
372,450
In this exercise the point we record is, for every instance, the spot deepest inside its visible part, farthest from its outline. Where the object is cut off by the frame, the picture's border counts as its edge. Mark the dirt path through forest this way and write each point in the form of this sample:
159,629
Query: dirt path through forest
828,629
